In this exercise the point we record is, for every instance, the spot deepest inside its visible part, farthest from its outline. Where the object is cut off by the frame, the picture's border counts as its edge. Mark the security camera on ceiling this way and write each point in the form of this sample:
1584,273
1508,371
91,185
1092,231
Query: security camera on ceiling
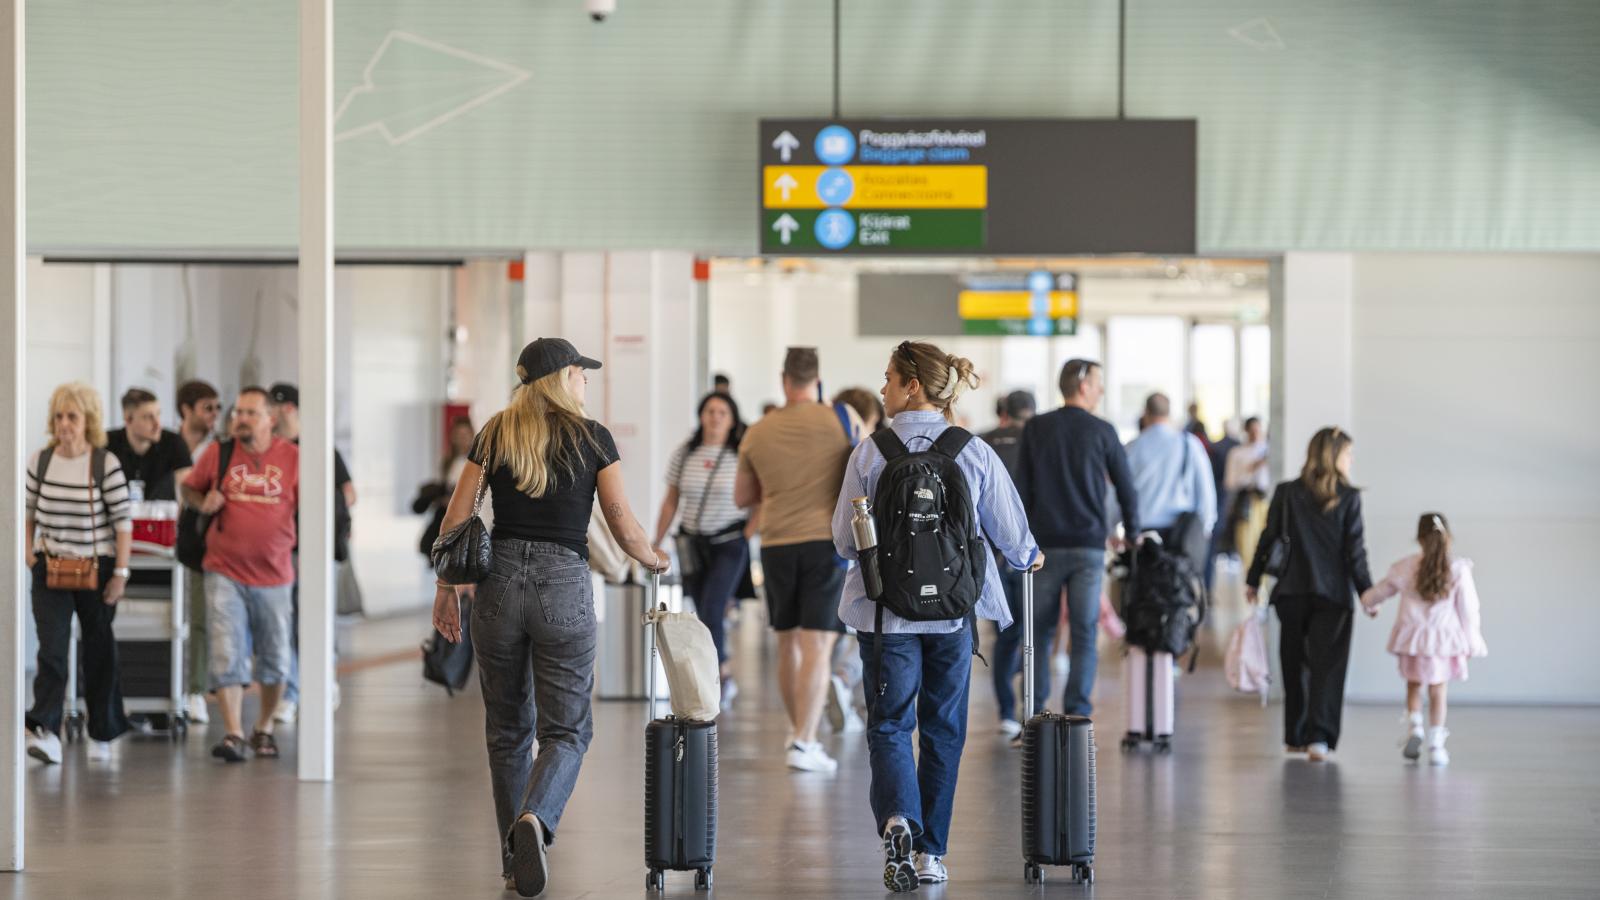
599,9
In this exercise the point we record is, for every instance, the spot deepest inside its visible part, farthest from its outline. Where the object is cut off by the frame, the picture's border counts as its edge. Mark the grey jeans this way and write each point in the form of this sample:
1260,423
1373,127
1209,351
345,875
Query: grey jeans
533,635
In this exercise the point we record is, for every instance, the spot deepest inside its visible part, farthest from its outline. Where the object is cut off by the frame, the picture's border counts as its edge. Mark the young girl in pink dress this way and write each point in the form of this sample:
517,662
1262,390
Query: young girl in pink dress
1435,631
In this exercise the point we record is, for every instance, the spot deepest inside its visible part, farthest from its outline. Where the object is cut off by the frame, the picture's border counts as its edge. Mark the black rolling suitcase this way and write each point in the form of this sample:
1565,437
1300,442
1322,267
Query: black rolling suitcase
1058,780
680,788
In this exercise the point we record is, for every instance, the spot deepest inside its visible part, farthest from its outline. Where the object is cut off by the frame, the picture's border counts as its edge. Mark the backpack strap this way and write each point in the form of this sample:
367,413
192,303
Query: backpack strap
952,441
97,467
843,412
890,445
45,456
224,456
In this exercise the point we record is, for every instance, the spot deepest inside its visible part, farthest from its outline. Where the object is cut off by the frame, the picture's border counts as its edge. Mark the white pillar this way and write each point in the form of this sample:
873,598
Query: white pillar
316,390
13,299
1311,360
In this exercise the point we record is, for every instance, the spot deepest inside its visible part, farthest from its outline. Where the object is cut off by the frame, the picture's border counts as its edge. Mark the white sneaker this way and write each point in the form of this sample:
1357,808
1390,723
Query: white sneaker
1060,665
1318,752
811,758
853,723
1009,729
1437,754
930,869
899,875
99,751
730,690
44,746
1411,746
195,708
839,710
286,713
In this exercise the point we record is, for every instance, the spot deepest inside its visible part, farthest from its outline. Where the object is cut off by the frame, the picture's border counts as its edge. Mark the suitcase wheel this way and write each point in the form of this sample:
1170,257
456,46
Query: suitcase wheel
1083,874
702,880
1163,745
74,729
1032,874
656,881
1129,744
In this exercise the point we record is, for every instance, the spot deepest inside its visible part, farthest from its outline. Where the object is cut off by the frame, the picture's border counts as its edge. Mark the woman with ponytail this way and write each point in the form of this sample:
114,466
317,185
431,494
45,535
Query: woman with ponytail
1314,540
1435,632
918,671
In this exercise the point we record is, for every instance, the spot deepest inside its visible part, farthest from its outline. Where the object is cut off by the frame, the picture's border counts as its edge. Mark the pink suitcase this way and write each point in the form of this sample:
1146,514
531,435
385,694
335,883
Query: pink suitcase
1147,678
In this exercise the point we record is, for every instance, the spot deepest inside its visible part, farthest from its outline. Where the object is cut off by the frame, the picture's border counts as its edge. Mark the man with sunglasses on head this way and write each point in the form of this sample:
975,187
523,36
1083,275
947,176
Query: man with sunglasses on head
1064,462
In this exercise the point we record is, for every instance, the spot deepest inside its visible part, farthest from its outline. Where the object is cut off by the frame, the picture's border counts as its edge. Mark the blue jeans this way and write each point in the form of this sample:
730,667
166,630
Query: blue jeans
533,635
1079,570
712,589
1008,644
242,620
926,677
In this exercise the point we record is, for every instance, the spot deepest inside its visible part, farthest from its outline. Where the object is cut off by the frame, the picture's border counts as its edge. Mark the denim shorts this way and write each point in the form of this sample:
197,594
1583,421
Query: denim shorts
243,621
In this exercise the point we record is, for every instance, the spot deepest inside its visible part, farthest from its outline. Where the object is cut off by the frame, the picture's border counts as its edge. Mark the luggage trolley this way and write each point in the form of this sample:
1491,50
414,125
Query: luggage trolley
151,628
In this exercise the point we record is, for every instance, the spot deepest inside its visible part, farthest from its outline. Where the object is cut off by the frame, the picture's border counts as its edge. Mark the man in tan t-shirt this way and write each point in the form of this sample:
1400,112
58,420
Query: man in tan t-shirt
792,462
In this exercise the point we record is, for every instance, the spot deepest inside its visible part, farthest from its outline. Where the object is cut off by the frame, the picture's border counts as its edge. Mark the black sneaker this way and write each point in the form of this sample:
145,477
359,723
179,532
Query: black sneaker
899,875
529,866
231,749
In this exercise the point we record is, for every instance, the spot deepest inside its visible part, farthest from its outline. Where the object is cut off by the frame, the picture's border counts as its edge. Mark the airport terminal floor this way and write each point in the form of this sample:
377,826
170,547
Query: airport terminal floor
1225,815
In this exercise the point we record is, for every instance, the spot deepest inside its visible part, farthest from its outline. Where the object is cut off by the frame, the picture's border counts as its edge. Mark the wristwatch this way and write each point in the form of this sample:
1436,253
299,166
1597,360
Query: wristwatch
122,572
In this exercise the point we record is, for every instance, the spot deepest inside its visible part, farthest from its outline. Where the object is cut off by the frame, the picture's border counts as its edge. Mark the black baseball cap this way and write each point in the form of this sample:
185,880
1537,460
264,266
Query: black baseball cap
1019,403
547,355
284,392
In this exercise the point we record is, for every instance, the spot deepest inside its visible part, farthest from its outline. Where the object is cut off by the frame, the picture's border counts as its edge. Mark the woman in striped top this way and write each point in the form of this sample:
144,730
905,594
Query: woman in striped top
713,530
70,515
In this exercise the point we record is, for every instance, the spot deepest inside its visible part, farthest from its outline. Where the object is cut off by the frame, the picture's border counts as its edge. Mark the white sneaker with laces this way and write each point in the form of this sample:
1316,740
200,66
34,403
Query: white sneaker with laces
286,713
1009,728
811,758
1318,752
899,875
1437,754
44,746
930,869
839,710
1411,745
195,708
99,751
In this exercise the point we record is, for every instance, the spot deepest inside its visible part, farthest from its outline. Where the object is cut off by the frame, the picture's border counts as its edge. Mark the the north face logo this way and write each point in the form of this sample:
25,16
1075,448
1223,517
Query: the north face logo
929,590
924,494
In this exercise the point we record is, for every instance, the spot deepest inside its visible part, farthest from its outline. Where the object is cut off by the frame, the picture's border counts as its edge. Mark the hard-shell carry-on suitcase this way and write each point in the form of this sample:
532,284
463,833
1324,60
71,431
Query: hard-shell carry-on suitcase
1148,677
680,787
1058,782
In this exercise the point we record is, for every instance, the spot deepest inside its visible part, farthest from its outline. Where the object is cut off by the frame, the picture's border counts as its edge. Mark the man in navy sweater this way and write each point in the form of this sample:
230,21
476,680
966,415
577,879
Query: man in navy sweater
1064,462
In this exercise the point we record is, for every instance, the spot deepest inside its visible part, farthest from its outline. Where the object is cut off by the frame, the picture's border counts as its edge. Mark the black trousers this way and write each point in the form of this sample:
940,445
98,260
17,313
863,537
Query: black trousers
1315,652
102,682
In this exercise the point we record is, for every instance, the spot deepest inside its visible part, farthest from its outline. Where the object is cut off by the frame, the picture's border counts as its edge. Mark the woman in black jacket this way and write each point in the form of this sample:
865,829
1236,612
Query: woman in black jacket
1325,567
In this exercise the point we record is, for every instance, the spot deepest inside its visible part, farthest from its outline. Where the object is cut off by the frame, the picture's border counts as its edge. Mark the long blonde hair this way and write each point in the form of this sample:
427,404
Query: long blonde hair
943,376
87,400
1321,472
542,430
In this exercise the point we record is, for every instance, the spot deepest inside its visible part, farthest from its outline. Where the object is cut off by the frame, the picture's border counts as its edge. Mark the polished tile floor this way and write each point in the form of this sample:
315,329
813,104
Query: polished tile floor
1224,816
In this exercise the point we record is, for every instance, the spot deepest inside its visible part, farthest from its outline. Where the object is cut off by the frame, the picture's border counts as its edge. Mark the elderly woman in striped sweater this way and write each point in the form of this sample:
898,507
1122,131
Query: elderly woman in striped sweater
77,511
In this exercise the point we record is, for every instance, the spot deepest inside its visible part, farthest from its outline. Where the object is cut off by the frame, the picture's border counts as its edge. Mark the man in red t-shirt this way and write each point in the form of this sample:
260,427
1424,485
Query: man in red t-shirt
249,567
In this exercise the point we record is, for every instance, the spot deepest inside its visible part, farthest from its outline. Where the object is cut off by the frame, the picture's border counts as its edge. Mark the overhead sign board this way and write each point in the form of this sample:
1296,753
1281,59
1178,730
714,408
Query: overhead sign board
986,186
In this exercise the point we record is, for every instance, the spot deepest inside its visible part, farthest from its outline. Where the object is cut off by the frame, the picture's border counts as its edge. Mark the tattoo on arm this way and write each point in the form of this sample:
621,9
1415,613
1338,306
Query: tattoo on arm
614,511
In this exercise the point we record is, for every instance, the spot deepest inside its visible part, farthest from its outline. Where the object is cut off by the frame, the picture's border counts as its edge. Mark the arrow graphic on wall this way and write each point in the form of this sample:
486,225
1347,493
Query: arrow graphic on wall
413,85
785,183
785,226
785,144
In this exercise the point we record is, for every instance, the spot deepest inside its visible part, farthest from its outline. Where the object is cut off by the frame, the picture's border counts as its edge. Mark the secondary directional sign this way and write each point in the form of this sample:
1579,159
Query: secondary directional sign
997,186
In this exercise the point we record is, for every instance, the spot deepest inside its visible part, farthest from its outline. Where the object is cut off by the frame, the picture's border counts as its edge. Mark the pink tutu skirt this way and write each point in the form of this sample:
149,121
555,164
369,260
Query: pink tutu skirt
1433,669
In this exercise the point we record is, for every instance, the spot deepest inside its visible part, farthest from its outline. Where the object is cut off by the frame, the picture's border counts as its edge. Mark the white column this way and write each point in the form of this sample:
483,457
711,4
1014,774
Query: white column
13,299
1312,369
316,390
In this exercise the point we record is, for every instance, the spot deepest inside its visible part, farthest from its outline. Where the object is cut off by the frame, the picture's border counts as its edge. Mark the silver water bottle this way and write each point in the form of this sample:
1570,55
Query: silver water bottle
866,536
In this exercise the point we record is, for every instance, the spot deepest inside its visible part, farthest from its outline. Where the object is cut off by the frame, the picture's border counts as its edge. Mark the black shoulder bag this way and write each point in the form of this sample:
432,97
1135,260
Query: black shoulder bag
1278,553
463,555
694,549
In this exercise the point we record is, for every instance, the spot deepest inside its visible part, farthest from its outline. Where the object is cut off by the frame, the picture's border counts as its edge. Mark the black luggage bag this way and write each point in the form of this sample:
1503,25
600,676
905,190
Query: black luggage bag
680,788
1058,779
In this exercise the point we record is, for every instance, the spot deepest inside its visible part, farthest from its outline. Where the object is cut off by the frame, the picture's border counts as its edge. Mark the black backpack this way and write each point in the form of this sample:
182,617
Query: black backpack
1165,601
193,525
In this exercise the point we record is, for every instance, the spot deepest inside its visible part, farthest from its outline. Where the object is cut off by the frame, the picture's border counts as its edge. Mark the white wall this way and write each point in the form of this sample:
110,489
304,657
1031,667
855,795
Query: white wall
1475,392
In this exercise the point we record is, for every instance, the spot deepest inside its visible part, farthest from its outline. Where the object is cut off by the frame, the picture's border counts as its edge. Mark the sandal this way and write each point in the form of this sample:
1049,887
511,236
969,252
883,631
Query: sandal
265,745
231,749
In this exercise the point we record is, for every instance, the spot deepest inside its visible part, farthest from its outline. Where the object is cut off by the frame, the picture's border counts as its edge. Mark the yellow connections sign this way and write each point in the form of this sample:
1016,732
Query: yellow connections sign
1014,304
875,187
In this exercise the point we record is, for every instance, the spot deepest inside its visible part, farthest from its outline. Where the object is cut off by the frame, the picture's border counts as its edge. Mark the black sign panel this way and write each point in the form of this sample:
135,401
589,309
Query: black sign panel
977,186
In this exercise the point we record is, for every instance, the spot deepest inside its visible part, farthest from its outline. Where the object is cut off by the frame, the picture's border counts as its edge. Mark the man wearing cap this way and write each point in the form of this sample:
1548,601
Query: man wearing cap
792,462
1015,409
286,402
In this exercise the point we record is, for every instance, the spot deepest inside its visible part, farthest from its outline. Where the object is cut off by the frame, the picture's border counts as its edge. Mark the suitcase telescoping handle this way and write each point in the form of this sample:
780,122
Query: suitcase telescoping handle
652,597
1027,645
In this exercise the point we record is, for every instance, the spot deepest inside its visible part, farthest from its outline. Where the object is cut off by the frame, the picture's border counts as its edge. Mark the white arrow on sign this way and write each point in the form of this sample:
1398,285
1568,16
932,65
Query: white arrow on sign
785,144
785,184
785,226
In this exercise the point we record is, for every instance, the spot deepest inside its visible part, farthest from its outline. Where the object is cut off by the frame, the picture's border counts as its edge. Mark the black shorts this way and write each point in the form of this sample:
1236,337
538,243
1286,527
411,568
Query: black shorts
804,583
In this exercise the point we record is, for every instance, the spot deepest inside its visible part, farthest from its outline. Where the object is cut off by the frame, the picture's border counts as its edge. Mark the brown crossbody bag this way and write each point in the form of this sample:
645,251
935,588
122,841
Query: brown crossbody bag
66,573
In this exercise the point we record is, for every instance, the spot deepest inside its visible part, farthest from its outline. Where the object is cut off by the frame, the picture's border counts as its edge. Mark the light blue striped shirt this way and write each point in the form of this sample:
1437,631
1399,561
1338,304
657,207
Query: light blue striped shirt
995,501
